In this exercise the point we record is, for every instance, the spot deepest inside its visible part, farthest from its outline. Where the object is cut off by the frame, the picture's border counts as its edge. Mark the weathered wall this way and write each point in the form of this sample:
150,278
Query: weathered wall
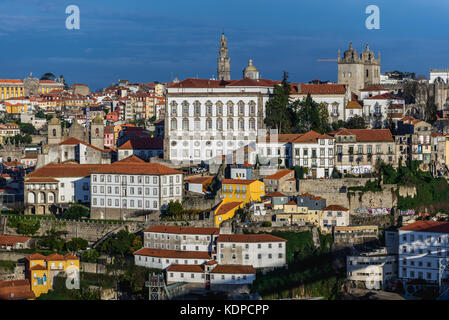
405,191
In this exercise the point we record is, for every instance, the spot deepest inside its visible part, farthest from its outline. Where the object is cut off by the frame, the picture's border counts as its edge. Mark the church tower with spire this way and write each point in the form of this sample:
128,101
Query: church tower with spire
224,62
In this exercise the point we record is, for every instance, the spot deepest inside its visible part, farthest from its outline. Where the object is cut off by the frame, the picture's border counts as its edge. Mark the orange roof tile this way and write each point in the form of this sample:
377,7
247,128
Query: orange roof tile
428,226
335,207
136,168
366,135
279,175
275,194
185,268
226,207
199,180
16,290
233,269
311,137
326,88
236,181
64,170
12,240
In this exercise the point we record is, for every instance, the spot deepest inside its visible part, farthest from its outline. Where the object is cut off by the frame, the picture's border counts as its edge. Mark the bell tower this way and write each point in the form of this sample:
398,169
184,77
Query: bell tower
224,62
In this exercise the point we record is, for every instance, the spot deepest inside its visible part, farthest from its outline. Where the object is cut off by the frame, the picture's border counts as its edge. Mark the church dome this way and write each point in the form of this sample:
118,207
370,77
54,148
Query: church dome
251,71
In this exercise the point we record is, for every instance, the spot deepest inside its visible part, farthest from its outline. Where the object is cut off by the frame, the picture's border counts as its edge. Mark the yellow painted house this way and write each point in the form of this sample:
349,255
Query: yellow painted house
41,270
17,108
236,193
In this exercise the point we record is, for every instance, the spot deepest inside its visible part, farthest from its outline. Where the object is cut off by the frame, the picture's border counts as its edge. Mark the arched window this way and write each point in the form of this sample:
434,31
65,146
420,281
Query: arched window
219,124
185,108
208,108
31,197
219,105
241,106
185,124
230,105
197,124
252,124
197,108
174,124
252,108
54,132
230,124
208,124
241,124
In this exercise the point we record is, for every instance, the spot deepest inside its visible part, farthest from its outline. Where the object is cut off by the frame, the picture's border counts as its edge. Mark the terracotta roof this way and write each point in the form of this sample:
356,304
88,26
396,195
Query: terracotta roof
74,141
291,203
353,105
436,134
279,175
210,263
236,181
206,83
161,253
367,135
64,170
183,230
136,168
41,180
317,198
335,207
233,269
385,96
248,238
132,158
428,226
54,256
12,240
306,195
311,137
185,268
16,290
70,256
198,179
143,144
275,194
327,88
226,207
38,267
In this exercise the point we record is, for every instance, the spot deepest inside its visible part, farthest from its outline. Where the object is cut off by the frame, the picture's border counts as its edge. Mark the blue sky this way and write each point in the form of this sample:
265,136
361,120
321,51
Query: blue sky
147,40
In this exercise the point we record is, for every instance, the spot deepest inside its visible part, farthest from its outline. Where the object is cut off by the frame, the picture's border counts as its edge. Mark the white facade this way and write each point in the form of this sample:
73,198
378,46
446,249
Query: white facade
375,270
74,189
204,122
435,74
135,191
420,254
377,109
157,262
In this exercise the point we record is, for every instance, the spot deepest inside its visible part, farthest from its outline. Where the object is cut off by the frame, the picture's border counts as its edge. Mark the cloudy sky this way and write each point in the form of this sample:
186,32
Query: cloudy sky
148,40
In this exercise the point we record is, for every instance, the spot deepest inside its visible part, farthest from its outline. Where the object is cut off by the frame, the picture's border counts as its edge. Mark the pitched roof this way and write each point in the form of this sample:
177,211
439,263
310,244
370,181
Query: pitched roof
38,267
236,181
233,269
132,158
291,203
353,105
275,194
143,143
428,226
136,168
311,137
35,256
201,180
12,240
226,207
385,96
54,256
335,207
161,253
279,175
326,88
31,180
367,135
248,238
374,87
75,141
64,170
16,290
185,268
182,230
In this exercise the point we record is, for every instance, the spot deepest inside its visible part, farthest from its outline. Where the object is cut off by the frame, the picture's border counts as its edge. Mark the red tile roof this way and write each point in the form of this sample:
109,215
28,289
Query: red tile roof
12,240
74,141
335,207
136,168
291,203
236,181
428,226
161,253
385,96
249,238
234,269
275,194
61,170
143,144
38,267
374,87
183,230
200,180
279,175
206,83
35,256
311,137
132,158
54,256
31,180
327,88
226,207
185,268
16,290
367,135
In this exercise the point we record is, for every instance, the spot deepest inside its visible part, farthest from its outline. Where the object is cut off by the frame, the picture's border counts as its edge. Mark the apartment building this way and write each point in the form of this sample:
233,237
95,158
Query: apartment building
132,188
357,150
334,216
282,181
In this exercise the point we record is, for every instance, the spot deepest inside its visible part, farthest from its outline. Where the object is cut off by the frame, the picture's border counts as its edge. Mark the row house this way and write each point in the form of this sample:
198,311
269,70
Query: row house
282,181
358,150
132,188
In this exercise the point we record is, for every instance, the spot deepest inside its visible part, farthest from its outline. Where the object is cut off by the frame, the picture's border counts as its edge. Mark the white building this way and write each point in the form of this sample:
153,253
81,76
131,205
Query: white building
315,152
257,250
435,74
334,216
379,109
144,148
422,246
210,118
132,188
375,269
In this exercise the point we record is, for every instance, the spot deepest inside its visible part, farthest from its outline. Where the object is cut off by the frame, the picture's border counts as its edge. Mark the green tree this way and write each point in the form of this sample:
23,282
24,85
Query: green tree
48,76
410,92
76,211
27,128
356,122
76,244
310,115
91,255
53,240
28,227
119,245
278,113
174,209
338,124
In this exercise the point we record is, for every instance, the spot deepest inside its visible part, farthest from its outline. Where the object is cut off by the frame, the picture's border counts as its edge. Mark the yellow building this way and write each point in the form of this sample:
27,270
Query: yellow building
17,108
41,270
242,190
12,88
226,211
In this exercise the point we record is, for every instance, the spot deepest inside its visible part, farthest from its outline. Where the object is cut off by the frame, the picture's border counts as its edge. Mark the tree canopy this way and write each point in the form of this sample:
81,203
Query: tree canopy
356,122
310,115
76,211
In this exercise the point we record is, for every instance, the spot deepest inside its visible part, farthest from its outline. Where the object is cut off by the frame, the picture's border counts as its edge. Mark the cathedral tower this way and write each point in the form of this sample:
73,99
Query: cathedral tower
54,131
97,133
224,62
